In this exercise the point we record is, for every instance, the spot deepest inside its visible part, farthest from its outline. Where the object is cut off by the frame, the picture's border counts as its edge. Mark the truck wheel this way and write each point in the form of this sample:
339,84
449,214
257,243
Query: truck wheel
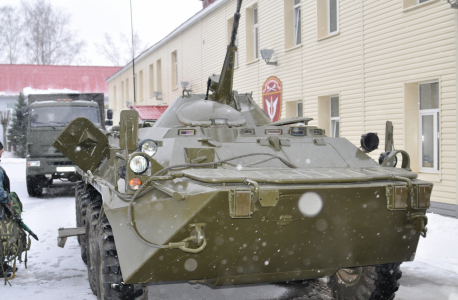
378,282
109,278
78,193
34,186
92,217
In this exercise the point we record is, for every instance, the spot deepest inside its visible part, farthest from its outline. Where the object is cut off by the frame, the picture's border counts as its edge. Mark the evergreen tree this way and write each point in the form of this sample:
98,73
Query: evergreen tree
17,134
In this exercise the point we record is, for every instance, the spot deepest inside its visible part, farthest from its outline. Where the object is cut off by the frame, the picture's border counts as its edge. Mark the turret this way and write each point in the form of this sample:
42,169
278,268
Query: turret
221,85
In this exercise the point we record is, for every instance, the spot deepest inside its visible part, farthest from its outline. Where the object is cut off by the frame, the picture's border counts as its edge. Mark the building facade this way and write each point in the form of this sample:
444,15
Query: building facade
350,65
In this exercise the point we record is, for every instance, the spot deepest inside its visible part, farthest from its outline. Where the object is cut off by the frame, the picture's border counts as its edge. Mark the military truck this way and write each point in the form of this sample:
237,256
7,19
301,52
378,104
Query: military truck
47,116
216,193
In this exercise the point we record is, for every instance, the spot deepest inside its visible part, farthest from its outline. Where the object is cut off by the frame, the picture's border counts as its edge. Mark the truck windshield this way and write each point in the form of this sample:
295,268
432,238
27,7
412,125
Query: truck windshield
61,116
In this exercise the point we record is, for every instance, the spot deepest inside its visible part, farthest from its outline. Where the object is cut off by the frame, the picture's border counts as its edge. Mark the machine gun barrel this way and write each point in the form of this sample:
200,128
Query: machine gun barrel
18,220
222,85
235,25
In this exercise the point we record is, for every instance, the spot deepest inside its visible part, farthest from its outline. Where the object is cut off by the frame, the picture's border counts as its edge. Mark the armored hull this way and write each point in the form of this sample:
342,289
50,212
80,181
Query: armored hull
216,193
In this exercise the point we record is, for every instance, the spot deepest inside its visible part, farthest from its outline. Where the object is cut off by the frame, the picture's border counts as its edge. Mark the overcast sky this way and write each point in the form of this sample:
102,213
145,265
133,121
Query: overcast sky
153,19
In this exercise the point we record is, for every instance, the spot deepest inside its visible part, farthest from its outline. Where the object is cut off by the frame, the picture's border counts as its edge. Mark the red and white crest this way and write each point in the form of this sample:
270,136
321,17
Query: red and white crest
272,98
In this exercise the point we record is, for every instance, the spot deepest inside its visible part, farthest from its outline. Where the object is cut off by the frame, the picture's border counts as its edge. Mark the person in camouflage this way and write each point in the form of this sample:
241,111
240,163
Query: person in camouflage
4,190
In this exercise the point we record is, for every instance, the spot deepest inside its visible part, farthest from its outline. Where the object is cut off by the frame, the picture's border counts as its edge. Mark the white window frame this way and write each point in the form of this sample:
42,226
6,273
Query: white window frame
237,52
256,32
419,1
301,110
176,69
334,120
297,23
436,131
337,17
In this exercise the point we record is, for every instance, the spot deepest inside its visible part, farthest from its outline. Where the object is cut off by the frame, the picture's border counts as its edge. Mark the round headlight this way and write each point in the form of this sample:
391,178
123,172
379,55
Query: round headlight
148,146
139,164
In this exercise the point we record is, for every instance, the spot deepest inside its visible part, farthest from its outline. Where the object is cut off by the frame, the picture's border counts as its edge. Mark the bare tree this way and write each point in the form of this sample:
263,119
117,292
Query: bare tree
109,50
121,55
135,45
5,118
49,40
11,33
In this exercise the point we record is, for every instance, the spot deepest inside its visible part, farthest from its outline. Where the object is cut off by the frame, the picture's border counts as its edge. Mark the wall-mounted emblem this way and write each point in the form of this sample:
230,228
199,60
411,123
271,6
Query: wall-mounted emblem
271,98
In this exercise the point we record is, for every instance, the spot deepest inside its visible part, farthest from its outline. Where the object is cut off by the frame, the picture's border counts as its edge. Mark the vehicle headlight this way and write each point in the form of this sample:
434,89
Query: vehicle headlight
148,146
33,163
139,164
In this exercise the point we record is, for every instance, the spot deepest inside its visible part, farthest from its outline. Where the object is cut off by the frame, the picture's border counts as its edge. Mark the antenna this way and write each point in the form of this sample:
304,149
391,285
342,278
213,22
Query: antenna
133,50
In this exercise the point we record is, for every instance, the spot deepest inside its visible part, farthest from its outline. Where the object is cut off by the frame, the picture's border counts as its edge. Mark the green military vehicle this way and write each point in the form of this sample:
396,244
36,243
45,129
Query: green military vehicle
47,115
216,193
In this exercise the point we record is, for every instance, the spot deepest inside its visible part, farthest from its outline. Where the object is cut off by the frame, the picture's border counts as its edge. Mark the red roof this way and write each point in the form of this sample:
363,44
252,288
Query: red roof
149,112
84,79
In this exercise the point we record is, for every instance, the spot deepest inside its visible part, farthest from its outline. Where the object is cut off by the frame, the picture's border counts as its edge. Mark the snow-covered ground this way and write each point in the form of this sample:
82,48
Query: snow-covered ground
54,273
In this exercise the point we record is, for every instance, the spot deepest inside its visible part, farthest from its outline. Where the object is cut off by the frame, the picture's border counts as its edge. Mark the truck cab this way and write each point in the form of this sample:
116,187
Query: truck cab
47,116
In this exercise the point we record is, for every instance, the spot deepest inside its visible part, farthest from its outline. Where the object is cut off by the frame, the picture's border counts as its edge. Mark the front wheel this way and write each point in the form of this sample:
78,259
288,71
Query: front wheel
378,282
34,186
109,280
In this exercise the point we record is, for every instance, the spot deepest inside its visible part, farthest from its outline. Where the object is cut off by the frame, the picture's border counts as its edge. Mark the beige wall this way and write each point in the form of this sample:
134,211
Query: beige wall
382,50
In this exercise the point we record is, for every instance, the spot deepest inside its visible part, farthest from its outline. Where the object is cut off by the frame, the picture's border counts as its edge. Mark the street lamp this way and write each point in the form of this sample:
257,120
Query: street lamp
158,95
184,85
267,55
453,3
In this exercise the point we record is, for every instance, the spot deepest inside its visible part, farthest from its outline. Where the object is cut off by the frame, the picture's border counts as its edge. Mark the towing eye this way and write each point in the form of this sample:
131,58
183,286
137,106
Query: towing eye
417,221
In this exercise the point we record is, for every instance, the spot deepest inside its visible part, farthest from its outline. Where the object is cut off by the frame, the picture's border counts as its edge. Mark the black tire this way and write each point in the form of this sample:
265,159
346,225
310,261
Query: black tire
34,186
92,218
85,202
378,282
79,189
109,278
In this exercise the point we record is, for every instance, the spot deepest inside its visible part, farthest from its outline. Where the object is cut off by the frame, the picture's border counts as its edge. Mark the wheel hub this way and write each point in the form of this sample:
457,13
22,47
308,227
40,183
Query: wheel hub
350,275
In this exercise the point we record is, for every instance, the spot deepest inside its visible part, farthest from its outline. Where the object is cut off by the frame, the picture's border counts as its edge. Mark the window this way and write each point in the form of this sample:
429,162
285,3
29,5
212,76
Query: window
140,85
159,75
252,33
229,33
300,110
332,9
127,92
411,3
136,97
327,17
174,69
256,32
335,117
151,81
114,98
429,140
122,93
297,22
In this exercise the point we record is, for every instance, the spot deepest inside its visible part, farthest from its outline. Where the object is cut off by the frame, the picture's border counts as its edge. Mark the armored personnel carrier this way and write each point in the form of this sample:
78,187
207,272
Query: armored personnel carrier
216,193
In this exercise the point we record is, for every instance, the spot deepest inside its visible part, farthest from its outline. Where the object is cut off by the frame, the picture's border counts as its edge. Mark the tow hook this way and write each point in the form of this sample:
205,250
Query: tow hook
197,236
418,222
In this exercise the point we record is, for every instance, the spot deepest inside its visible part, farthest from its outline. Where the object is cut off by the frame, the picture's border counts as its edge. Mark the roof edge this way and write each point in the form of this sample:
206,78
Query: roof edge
191,21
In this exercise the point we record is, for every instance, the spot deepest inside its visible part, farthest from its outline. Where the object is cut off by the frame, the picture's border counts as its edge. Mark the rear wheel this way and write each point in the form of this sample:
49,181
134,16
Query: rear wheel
110,282
378,282
34,186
